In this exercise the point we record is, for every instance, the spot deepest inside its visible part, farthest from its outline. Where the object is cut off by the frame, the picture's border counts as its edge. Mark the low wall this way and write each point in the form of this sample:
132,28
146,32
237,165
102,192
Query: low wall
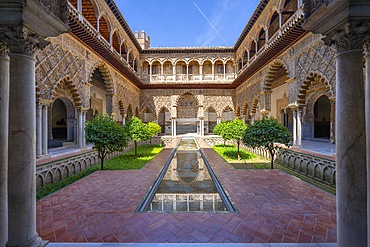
312,166
60,169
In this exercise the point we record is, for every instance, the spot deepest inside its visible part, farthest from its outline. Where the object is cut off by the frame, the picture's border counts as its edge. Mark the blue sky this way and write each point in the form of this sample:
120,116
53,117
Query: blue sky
179,23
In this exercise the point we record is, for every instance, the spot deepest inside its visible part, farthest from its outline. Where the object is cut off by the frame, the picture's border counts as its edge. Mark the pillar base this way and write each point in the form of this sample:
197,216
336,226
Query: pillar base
36,242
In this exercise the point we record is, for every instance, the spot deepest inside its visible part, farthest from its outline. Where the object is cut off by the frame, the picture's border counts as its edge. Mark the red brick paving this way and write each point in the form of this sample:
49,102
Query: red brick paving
273,207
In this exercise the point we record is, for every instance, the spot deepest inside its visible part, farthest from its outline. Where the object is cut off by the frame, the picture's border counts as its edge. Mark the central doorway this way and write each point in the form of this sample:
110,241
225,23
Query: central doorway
187,109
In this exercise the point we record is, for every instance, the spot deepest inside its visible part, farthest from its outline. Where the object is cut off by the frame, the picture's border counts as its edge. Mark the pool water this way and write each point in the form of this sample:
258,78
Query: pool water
187,185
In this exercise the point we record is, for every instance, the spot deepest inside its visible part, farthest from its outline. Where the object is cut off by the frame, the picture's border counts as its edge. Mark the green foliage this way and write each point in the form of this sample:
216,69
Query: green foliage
154,129
106,135
232,130
130,161
138,131
266,133
230,153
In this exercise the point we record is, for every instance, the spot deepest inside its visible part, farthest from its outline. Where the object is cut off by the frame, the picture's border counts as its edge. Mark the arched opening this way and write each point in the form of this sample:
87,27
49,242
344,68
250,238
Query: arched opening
123,51
187,110
274,24
131,59
276,83
207,70
136,62
62,122
194,71
98,95
147,115
290,6
145,71
245,113
322,117
245,58
219,70
261,39
164,120
230,70
228,114
130,113
210,119
115,41
89,12
104,28
181,71
156,71
137,112
252,50
167,71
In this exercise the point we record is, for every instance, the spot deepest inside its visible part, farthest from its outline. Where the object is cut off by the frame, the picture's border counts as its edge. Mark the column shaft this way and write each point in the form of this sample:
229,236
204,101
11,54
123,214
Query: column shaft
79,129
39,130
83,129
4,117
351,150
45,129
299,128
22,152
367,108
294,127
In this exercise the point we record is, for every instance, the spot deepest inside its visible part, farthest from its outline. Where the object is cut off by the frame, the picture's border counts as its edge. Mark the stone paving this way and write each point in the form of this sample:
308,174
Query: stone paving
273,207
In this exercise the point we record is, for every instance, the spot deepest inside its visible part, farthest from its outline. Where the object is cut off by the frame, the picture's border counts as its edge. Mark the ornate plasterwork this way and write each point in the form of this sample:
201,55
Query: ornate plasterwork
319,59
55,64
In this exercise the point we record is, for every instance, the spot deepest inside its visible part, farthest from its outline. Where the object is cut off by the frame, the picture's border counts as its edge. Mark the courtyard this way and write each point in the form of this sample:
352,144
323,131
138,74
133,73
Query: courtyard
274,207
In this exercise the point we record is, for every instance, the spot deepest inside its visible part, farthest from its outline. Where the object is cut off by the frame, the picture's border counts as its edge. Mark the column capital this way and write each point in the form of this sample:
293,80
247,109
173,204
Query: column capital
366,47
20,40
4,49
45,102
351,37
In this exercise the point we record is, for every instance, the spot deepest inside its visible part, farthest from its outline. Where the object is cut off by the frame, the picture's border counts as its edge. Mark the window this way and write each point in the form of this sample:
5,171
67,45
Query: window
154,69
183,69
220,68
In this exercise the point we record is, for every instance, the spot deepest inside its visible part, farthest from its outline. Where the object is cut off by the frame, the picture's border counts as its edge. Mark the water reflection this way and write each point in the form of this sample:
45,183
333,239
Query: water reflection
187,184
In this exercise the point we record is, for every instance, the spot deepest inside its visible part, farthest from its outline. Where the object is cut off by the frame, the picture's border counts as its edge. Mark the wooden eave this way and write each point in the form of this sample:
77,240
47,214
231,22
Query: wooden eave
93,42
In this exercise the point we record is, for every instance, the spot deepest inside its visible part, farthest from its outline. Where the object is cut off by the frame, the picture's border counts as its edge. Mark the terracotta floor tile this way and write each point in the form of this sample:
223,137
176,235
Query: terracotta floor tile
101,207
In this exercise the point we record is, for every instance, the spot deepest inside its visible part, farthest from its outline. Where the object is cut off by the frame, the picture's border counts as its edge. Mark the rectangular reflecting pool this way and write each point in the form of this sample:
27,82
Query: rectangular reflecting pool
187,185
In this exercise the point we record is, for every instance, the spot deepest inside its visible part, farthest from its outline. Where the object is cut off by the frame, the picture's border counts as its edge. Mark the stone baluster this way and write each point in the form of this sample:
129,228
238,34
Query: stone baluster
4,116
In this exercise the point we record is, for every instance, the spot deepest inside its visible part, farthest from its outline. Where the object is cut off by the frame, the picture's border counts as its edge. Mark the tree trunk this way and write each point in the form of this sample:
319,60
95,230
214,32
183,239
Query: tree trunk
150,141
272,158
135,148
101,163
238,149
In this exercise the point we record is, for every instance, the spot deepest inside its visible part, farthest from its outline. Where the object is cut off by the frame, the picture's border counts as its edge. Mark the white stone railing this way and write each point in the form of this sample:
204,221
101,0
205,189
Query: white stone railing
207,78
60,169
312,166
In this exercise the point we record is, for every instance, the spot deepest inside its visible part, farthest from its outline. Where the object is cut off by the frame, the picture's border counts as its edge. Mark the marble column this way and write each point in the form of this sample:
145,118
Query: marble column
294,127
351,143
173,122
4,116
367,108
83,128
45,129
22,146
299,128
253,115
80,129
123,120
332,119
218,120
39,130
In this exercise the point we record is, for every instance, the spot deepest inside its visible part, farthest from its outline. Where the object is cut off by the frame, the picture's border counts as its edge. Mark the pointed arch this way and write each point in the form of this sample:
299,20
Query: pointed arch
314,79
106,76
67,84
254,105
276,65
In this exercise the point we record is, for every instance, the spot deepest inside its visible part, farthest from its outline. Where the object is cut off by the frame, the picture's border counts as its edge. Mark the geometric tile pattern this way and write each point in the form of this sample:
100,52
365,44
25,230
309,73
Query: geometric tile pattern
273,206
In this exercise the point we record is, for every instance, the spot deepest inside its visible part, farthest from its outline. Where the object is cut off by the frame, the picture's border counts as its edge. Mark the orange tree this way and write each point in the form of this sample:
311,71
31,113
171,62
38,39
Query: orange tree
106,135
266,133
138,131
